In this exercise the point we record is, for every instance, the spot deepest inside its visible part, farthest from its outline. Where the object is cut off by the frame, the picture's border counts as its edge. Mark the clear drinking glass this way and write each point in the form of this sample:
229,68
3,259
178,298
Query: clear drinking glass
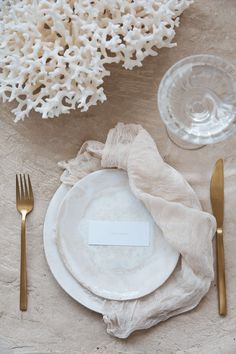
197,100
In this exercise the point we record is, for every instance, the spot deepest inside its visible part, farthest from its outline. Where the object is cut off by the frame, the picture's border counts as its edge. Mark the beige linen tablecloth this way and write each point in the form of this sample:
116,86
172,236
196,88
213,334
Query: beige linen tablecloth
54,322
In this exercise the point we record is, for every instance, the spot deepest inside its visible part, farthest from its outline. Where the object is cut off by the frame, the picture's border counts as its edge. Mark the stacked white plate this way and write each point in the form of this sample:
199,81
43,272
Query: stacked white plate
93,273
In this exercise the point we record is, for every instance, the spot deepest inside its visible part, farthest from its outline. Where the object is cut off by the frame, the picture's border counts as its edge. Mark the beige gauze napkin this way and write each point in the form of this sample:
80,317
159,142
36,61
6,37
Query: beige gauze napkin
175,208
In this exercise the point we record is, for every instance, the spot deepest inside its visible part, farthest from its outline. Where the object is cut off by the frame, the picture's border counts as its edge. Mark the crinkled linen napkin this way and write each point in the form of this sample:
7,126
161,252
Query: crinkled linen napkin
175,208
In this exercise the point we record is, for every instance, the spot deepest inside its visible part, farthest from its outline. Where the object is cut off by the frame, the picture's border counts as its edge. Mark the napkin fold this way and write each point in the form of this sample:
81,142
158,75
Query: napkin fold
176,209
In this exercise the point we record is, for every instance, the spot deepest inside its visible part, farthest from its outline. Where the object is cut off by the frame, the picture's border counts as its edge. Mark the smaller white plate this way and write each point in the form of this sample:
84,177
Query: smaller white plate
111,272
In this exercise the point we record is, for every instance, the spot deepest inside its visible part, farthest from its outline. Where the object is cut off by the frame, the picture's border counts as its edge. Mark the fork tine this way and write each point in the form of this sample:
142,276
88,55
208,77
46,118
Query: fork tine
17,190
26,188
22,194
30,189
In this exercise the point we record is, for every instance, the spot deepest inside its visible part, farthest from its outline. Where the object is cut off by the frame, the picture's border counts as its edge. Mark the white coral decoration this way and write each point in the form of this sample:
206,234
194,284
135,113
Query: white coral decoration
53,53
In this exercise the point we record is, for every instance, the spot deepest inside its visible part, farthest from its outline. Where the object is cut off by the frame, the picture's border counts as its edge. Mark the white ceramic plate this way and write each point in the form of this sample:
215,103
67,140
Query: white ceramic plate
111,272
68,283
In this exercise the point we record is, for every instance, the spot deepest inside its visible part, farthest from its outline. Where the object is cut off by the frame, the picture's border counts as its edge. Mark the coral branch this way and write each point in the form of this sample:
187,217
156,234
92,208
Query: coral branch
54,53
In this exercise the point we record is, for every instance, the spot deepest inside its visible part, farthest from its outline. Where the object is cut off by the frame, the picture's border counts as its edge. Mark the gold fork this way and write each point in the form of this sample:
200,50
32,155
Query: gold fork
24,204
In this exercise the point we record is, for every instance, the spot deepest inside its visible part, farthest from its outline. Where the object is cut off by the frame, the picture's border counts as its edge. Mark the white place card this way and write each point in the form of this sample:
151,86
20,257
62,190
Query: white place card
119,233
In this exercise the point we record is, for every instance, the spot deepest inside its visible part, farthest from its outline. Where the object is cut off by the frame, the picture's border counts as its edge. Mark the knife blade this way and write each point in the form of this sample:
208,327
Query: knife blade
217,202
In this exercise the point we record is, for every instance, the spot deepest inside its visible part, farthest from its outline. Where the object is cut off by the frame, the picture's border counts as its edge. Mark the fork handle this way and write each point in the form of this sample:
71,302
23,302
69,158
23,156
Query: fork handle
23,273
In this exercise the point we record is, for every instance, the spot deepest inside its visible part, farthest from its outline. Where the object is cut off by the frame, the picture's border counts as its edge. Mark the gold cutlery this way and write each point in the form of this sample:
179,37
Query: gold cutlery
217,202
24,204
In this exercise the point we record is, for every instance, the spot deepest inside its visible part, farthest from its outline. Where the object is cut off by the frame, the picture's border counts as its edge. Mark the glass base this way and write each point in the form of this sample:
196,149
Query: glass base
181,143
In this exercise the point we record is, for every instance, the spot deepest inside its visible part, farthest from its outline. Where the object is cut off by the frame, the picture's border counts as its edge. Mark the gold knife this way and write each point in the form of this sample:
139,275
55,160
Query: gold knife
217,202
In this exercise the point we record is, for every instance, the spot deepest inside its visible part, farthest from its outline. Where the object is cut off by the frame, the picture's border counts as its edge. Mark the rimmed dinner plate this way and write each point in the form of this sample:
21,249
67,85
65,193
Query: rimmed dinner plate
63,277
108,271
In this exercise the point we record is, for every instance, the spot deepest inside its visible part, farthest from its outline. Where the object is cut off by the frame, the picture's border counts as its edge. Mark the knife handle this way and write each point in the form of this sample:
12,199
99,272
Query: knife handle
220,272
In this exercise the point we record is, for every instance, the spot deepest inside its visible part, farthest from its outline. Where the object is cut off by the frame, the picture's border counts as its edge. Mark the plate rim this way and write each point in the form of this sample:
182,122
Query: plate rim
95,303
